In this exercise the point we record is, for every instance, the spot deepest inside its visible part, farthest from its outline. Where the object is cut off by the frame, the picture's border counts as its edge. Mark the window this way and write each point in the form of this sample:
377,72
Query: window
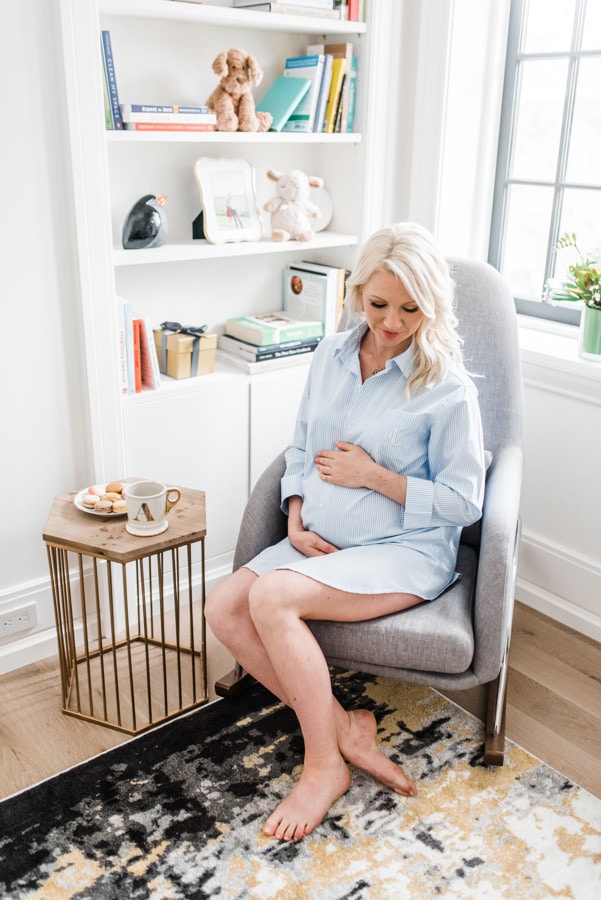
548,177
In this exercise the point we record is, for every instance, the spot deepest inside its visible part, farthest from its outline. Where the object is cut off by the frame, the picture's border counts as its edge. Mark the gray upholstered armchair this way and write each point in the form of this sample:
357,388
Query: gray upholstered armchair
462,639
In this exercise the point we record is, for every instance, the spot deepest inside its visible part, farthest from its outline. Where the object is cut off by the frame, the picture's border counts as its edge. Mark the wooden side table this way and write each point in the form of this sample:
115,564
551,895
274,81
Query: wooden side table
131,639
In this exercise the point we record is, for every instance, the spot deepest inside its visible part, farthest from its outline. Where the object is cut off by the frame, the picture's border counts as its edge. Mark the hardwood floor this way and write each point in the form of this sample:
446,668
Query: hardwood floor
553,709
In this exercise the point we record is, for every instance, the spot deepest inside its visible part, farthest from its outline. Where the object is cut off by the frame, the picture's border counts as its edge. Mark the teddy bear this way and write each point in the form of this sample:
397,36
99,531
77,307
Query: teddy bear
232,100
291,211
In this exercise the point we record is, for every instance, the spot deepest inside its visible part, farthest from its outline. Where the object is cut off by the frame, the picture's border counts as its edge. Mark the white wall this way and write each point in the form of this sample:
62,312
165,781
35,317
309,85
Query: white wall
45,432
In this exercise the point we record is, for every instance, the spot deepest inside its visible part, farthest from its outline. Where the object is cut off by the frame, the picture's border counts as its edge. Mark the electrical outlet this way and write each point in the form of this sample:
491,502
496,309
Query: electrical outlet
21,618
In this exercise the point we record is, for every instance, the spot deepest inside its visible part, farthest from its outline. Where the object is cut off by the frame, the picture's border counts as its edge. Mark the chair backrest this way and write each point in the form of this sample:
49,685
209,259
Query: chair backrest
488,326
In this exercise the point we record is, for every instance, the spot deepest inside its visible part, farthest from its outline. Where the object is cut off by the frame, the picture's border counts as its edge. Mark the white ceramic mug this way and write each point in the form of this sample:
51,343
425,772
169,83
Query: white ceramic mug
148,503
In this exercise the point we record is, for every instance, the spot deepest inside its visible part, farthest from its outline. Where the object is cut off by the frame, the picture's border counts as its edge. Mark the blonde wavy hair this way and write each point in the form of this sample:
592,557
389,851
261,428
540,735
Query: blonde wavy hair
408,251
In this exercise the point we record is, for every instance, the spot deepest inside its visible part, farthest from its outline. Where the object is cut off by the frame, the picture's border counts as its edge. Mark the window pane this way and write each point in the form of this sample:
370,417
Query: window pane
539,117
581,215
584,160
591,37
526,239
549,25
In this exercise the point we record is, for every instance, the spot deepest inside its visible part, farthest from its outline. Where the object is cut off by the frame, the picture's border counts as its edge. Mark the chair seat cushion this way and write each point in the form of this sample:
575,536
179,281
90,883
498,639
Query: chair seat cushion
435,636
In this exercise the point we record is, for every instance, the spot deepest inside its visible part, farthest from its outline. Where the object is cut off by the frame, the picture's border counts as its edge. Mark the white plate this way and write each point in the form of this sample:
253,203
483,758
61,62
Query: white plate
99,489
322,199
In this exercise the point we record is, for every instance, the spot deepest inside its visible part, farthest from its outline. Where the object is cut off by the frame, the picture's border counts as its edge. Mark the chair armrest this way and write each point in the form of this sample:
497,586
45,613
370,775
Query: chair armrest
493,606
263,522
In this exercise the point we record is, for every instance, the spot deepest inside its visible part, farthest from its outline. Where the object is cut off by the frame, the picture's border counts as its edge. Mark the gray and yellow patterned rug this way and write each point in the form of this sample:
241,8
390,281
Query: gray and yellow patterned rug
177,813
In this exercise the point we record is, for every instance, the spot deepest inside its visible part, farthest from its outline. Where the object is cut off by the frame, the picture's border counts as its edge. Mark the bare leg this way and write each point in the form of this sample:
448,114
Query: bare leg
334,731
229,617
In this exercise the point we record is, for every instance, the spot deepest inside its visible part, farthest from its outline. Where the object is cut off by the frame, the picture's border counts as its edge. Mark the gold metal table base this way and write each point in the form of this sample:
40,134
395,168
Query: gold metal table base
131,637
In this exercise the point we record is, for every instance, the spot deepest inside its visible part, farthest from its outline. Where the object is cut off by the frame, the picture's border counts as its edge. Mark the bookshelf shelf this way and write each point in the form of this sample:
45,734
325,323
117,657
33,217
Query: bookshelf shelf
226,17
203,250
225,137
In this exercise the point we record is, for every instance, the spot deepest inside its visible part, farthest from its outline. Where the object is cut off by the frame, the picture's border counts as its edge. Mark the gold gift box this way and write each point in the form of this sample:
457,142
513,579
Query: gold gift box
179,354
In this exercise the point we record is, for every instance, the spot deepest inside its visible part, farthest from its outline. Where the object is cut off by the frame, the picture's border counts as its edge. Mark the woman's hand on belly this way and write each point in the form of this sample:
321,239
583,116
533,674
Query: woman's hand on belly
306,542
352,467
347,466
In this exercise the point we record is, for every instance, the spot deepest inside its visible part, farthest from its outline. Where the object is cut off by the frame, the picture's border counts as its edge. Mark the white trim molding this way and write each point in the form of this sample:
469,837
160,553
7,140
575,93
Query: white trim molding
41,641
562,584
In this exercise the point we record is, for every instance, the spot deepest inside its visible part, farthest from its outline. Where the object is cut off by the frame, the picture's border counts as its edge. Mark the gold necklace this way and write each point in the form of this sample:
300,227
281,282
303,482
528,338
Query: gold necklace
376,371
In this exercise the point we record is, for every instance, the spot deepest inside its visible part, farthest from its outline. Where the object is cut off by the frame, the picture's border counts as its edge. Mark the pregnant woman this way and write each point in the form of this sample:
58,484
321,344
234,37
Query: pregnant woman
385,467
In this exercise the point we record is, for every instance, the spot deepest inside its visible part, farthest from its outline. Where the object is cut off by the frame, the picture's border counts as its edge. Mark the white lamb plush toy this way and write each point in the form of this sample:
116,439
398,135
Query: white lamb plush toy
291,211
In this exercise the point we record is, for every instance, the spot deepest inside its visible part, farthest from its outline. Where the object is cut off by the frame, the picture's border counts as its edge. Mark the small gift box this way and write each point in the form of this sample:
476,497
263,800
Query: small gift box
184,351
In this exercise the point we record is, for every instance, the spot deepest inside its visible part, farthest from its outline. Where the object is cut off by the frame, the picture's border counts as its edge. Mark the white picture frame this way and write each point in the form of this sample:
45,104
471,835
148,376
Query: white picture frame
229,204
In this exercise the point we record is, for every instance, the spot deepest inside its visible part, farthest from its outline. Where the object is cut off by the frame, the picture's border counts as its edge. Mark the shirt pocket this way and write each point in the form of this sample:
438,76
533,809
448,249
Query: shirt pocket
404,445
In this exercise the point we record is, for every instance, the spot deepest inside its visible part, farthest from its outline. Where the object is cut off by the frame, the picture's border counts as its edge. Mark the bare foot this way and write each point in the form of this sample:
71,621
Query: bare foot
310,799
357,744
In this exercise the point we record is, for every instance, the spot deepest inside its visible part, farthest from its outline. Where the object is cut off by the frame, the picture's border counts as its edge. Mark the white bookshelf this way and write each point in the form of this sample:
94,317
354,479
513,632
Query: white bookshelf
163,53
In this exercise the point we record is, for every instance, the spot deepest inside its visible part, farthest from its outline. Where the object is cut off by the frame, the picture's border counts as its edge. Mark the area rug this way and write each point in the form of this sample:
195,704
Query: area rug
177,813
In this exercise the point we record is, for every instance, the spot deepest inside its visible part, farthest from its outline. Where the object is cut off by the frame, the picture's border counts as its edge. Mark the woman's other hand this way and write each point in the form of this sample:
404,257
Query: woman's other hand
306,542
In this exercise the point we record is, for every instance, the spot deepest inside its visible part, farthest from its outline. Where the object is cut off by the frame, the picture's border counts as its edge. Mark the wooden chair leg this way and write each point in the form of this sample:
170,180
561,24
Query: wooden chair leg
234,683
494,741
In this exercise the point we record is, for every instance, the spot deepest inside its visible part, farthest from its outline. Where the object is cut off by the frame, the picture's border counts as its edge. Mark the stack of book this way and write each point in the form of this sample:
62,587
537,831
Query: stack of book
268,341
325,9
145,117
316,92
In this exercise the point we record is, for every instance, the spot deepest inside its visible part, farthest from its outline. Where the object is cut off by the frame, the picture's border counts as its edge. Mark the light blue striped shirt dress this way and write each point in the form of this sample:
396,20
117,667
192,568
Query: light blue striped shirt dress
434,438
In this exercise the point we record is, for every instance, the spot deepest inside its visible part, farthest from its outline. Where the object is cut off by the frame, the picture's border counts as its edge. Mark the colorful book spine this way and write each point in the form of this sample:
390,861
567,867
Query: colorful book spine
171,118
353,11
129,108
271,351
108,113
169,126
311,67
263,365
338,70
282,98
128,329
121,347
272,328
343,51
149,362
352,97
293,9
312,4
137,357
324,91
111,78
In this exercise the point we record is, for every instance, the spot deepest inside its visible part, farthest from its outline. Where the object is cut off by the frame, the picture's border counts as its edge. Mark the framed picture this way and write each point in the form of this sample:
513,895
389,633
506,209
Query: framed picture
229,205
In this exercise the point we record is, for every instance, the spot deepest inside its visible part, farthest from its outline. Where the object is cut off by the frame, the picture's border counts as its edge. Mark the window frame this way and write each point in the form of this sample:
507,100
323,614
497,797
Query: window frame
514,58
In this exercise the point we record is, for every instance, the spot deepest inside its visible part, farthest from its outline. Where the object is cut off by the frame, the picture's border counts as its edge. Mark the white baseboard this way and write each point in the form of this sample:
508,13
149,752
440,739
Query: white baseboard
40,643
559,609
560,583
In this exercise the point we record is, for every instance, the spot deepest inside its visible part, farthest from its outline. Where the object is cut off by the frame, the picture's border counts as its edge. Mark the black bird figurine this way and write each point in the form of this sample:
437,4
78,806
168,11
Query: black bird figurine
146,224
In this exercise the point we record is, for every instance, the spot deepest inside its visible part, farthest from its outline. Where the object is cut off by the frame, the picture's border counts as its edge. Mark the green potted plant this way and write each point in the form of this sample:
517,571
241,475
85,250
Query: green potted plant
583,283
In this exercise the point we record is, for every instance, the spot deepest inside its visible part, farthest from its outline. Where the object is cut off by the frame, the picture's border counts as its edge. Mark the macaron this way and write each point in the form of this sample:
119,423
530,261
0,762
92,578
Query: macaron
90,500
114,487
119,506
111,495
103,506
